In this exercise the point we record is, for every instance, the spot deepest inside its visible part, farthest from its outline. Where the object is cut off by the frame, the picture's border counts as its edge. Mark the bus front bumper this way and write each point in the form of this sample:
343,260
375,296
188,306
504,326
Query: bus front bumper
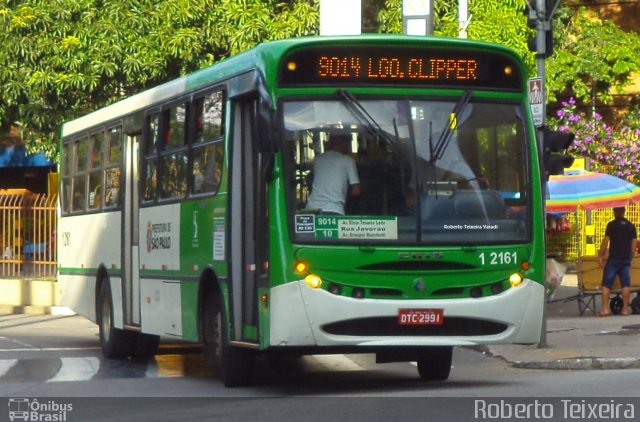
306,317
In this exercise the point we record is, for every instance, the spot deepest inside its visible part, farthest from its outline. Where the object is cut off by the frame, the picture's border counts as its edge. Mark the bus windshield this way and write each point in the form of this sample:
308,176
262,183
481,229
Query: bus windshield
428,171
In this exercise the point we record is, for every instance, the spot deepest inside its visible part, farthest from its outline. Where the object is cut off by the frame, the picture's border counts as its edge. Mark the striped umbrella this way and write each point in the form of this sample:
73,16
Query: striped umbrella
588,190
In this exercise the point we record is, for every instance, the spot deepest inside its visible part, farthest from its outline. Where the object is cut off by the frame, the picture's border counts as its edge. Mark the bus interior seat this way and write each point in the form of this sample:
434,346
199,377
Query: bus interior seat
479,204
436,207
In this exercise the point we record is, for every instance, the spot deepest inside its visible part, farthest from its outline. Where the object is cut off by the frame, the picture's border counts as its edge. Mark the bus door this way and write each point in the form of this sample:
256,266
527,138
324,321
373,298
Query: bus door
248,214
131,238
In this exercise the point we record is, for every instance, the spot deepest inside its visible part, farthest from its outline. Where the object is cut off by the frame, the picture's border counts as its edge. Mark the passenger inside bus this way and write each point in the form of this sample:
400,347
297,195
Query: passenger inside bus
335,176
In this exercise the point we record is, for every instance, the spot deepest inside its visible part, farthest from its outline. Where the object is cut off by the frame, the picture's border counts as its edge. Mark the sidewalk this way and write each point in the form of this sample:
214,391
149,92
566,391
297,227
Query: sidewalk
578,342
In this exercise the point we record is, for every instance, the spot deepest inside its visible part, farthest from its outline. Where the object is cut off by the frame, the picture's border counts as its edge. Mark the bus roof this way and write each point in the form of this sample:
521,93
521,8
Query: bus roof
263,57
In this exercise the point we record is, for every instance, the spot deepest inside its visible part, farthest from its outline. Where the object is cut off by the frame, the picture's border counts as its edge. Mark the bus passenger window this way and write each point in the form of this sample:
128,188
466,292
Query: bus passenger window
207,147
150,184
113,166
81,156
173,170
95,170
207,162
66,171
78,193
174,175
112,187
150,176
79,181
66,195
209,123
176,133
114,156
152,134
95,189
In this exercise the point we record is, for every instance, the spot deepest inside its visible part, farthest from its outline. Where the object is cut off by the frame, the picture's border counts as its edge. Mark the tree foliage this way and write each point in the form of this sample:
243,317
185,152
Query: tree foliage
594,58
63,58
613,149
499,21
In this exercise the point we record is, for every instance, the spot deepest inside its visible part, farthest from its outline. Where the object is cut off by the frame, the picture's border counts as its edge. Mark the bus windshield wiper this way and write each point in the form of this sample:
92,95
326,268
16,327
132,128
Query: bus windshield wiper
372,126
361,113
438,150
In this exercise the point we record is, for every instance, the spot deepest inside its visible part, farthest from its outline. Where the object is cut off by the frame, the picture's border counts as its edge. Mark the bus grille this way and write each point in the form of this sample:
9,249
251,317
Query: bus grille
388,326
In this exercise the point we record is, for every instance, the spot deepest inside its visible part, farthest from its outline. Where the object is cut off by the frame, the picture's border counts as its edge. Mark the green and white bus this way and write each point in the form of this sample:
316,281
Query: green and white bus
183,209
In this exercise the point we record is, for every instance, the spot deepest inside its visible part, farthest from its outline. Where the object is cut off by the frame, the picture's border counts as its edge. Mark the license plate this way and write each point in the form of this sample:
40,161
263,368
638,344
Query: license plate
420,316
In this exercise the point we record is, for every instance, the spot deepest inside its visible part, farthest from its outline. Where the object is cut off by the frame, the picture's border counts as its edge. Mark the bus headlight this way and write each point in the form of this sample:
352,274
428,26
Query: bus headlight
313,281
515,279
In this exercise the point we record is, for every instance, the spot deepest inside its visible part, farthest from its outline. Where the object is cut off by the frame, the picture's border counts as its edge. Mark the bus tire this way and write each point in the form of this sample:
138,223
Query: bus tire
115,343
434,364
235,364
211,336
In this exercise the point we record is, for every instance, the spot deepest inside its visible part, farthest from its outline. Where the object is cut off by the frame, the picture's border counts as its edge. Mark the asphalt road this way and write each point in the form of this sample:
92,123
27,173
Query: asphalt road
56,362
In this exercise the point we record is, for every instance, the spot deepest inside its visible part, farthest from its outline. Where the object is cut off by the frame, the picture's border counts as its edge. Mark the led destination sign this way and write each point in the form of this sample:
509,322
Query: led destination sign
459,69
396,66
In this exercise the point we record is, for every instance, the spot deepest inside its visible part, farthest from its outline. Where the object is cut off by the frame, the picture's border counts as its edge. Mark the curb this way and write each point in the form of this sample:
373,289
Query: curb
565,364
583,363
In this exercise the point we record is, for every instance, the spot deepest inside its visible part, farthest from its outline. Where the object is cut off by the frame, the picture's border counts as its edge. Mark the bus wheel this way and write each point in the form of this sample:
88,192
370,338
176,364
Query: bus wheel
235,363
115,343
211,336
434,364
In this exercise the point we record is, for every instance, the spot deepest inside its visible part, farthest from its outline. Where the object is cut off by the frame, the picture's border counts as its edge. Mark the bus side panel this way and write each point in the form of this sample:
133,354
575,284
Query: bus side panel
78,292
86,243
202,245
189,299
161,308
160,293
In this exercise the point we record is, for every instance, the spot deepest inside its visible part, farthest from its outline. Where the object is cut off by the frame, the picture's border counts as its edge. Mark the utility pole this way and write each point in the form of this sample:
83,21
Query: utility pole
417,17
540,11
463,18
340,17
540,15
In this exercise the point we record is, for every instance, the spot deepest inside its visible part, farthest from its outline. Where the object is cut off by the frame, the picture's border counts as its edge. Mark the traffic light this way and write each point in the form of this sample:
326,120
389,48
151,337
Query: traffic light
555,157
532,22
542,21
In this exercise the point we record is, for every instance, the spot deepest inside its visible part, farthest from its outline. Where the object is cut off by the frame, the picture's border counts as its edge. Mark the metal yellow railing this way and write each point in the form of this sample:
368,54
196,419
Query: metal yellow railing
27,234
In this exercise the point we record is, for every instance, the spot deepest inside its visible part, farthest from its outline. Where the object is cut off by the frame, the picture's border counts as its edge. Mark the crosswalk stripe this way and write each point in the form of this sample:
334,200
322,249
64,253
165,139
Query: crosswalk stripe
76,369
47,349
86,368
5,365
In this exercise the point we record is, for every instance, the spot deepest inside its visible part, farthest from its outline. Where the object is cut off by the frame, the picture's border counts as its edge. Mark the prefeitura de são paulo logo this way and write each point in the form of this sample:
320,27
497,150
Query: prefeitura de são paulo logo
158,236
32,410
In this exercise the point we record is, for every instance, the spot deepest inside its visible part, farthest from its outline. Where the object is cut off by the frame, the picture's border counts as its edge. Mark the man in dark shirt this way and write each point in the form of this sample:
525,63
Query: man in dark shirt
620,237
